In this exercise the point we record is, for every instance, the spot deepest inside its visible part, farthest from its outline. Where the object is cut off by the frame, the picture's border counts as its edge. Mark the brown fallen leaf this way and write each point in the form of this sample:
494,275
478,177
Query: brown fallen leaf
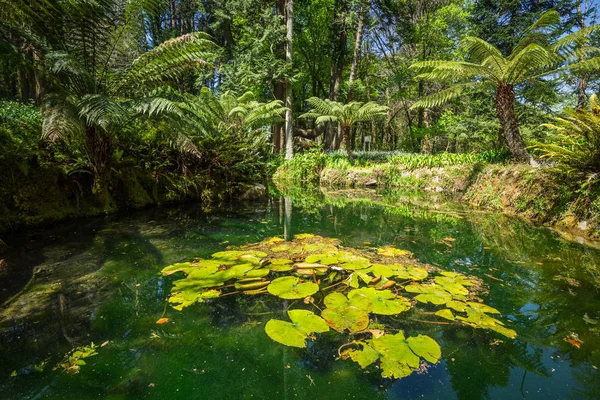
574,341
162,321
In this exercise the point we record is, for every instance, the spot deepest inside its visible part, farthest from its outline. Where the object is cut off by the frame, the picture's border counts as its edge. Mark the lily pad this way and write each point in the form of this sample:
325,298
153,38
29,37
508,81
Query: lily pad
429,294
408,272
351,318
295,333
187,298
325,259
247,256
384,301
399,356
342,313
280,265
458,278
445,313
451,286
393,252
290,287
478,319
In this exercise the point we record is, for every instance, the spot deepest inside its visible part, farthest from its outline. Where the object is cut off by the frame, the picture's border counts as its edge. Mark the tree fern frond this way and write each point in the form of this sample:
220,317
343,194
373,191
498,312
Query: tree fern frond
531,58
443,96
102,111
60,121
481,50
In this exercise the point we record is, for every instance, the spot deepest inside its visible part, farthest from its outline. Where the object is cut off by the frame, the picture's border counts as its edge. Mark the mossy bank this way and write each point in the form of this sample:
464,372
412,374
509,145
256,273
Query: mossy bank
541,195
44,195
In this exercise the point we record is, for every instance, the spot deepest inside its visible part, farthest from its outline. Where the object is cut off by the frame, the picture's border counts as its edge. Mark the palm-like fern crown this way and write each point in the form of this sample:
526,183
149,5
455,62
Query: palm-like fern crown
88,62
346,114
533,57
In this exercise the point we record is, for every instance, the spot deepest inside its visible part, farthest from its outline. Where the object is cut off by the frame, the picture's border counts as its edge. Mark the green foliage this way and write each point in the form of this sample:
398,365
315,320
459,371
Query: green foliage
20,128
346,114
304,167
415,161
74,360
534,56
574,142
363,283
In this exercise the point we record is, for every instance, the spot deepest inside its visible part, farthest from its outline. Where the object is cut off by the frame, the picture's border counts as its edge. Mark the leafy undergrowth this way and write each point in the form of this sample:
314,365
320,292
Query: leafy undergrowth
345,290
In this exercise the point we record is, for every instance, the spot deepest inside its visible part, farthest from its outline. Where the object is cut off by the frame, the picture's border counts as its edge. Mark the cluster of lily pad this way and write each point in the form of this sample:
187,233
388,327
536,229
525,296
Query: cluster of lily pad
349,288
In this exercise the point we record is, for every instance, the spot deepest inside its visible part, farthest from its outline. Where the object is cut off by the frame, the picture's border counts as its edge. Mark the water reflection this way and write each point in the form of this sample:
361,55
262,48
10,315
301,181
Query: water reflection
97,281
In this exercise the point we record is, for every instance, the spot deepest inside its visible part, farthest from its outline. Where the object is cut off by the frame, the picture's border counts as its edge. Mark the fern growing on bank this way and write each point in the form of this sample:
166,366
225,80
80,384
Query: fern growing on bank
574,144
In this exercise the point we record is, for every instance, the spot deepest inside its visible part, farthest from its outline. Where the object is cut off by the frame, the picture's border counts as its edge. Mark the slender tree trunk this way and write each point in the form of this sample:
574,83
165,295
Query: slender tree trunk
357,45
172,14
279,85
339,39
505,109
289,137
582,83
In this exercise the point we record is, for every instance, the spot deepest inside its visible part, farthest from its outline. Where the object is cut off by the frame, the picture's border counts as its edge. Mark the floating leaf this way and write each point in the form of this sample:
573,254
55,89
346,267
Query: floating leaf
450,285
280,265
289,287
295,333
310,268
274,240
338,300
325,259
351,318
302,236
399,356
408,272
393,252
478,319
380,270
458,278
281,248
445,313
343,313
384,301
429,294
245,256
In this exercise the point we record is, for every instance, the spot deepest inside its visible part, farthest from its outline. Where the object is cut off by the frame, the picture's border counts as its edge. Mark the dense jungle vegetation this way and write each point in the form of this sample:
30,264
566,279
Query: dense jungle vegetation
108,104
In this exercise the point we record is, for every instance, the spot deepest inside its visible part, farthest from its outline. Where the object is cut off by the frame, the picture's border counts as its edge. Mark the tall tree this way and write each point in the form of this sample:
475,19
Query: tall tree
533,57
289,136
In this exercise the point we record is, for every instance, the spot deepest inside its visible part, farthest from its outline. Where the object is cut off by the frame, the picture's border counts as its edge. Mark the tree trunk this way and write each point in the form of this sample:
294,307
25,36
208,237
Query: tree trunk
347,141
505,110
338,39
279,85
582,83
172,14
357,45
99,149
289,137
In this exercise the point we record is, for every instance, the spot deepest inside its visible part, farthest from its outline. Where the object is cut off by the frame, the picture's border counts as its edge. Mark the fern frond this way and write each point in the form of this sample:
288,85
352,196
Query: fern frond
443,96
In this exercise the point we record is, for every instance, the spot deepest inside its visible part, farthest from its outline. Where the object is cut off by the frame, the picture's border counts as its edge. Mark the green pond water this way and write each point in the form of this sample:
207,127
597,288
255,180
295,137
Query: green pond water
98,280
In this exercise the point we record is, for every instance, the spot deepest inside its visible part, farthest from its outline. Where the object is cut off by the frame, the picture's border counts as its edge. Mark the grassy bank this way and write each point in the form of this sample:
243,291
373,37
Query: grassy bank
542,195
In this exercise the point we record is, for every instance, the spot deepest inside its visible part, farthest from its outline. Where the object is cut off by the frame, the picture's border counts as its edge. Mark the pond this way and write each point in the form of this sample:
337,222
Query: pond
98,281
